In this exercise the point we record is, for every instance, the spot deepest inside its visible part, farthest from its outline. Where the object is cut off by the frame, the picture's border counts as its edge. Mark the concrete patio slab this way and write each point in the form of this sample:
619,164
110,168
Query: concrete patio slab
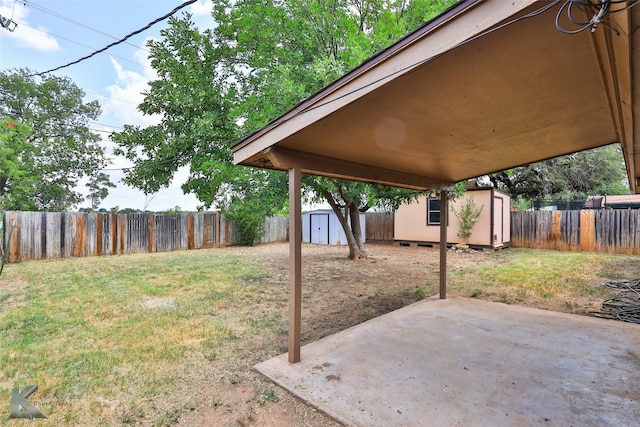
475,363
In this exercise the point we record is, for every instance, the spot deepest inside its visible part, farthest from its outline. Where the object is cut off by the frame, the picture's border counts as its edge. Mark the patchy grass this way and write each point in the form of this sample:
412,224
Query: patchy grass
565,281
91,337
162,339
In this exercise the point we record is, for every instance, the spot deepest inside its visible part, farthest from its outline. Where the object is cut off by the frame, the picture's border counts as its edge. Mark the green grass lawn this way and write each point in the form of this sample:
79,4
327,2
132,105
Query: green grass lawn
135,339
80,330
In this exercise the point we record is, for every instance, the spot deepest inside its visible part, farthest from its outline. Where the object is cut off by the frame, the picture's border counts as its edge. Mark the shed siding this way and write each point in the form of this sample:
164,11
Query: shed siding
410,223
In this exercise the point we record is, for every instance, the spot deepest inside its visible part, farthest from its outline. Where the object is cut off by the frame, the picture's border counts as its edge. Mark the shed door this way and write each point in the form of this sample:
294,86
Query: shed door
320,229
498,221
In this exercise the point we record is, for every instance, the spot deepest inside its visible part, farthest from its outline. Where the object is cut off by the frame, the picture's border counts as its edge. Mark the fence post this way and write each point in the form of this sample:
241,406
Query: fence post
99,234
80,236
556,234
190,237
122,236
150,233
114,234
217,230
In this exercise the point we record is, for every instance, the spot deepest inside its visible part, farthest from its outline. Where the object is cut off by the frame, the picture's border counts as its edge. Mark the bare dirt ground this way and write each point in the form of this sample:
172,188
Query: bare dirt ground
337,294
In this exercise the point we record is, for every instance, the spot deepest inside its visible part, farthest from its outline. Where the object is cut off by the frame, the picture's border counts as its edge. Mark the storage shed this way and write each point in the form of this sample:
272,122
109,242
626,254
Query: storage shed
419,221
629,201
323,228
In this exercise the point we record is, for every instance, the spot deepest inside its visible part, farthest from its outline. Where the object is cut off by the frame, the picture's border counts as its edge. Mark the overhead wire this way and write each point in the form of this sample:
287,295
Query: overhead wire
603,10
120,41
599,9
109,126
73,21
536,12
77,43
110,97
284,119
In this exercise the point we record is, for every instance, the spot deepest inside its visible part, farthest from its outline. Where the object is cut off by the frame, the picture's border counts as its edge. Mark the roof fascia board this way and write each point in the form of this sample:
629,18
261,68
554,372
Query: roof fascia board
453,27
614,55
631,147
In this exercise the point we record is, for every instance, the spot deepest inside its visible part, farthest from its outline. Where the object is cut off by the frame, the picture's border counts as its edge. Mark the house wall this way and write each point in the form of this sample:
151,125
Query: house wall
410,222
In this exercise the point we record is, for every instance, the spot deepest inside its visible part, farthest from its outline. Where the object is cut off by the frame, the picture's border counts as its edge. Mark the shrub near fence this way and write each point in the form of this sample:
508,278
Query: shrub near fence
605,231
53,235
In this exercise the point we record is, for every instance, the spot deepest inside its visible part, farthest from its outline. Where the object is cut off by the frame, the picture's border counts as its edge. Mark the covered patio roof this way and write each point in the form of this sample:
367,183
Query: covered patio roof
484,87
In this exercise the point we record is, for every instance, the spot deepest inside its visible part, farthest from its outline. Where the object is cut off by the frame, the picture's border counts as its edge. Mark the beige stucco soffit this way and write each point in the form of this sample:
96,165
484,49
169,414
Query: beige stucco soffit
313,164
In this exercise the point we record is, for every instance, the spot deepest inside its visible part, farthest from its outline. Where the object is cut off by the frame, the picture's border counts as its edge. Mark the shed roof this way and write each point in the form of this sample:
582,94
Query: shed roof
484,87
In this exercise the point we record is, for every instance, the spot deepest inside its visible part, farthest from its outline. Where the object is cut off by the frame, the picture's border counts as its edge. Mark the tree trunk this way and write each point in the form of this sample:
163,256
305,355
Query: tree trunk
354,214
356,247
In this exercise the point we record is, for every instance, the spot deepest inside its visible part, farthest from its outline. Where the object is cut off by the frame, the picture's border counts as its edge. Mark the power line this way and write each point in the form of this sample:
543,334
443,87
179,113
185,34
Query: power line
284,119
109,126
532,14
78,43
122,40
78,23
111,97
101,130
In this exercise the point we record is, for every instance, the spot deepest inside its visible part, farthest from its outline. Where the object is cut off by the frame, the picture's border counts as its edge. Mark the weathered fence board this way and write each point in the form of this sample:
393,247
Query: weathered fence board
379,226
55,235
276,229
605,231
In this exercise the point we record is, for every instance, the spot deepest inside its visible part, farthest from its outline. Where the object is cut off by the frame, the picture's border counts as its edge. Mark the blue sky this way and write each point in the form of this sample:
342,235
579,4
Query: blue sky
51,33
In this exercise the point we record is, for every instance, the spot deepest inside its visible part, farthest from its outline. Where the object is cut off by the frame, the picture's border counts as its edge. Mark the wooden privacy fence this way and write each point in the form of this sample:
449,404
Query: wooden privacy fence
53,235
276,229
379,226
605,231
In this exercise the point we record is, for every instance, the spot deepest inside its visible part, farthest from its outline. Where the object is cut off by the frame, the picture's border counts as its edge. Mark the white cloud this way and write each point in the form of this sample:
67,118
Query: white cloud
127,93
201,7
120,107
25,35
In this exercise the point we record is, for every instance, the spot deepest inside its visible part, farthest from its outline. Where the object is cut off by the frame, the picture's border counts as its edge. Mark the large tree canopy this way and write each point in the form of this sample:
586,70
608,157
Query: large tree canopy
259,60
592,172
48,147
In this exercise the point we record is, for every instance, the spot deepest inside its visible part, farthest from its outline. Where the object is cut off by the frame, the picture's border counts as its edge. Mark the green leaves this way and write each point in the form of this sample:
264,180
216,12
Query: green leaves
468,216
259,60
597,171
51,146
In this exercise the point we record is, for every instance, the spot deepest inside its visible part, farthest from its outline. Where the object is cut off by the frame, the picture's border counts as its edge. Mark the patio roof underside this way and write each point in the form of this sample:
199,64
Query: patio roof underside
429,112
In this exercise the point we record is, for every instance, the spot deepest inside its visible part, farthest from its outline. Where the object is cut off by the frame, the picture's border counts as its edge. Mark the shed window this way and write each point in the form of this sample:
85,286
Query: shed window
433,211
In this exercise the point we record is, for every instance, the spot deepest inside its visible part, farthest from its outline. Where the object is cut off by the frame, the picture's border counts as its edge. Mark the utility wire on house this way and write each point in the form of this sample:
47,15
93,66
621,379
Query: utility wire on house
8,23
601,10
122,40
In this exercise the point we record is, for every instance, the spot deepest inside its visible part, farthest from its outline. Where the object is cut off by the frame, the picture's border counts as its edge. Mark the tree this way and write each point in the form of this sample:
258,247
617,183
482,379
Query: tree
52,144
468,216
260,60
591,172
98,187
17,155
